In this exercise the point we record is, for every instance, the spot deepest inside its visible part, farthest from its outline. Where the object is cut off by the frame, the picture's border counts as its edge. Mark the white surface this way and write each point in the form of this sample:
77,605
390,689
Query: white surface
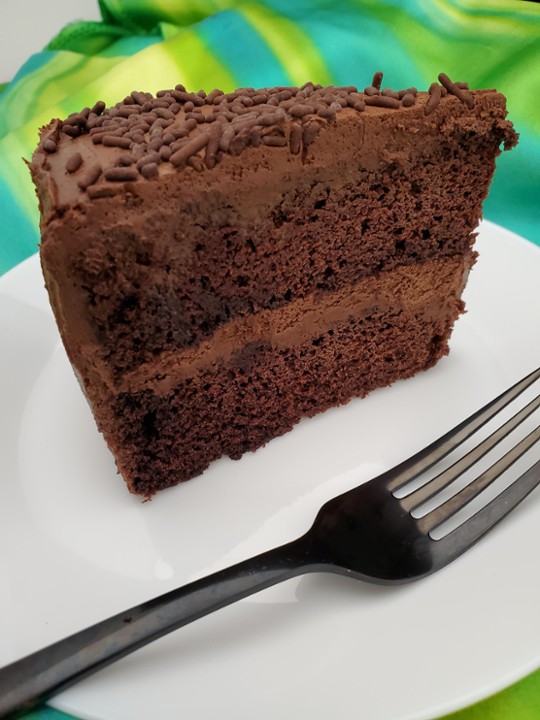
76,547
26,26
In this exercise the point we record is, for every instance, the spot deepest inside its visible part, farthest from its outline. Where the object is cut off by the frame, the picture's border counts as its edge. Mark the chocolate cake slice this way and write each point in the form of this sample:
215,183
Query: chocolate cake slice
222,265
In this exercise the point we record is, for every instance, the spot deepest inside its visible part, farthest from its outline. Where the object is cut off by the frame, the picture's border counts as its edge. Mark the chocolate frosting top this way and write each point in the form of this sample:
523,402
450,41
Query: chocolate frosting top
96,151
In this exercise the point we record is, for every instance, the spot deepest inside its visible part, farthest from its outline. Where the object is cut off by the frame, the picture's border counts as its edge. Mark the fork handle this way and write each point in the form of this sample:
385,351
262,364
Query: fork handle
30,681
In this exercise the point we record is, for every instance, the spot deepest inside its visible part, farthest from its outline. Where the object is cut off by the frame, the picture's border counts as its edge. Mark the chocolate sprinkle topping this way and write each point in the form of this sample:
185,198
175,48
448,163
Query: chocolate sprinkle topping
298,111
388,92
50,146
125,160
194,130
383,101
196,163
74,163
310,133
434,98
180,157
152,157
275,140
101,191
165,152
408,99
118,174
98,108
377,80
296,138
72,130
408,91
113,141
150,170
371,90
90,177
457,90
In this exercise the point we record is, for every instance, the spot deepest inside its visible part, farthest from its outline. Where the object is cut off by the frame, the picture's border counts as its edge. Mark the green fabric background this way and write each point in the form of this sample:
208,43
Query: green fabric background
149,45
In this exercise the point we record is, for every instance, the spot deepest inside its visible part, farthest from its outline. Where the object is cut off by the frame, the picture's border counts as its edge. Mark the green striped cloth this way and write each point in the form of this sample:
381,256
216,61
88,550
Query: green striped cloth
153,44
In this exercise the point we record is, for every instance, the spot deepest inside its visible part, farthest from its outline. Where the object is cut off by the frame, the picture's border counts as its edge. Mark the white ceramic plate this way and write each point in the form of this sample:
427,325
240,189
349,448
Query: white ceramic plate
76,547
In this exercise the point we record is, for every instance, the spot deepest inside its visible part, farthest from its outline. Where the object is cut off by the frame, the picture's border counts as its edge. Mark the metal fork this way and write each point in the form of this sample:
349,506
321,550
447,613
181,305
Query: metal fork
367,533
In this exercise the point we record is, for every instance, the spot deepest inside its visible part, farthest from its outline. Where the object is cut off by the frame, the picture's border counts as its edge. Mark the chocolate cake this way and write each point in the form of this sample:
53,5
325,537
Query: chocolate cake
221,265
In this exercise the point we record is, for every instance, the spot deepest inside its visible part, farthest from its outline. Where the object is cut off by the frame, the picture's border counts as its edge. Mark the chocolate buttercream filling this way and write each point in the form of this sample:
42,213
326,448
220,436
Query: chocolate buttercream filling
404,290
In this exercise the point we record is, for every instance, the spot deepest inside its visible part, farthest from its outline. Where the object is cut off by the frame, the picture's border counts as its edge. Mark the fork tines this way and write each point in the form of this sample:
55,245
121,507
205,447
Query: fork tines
495,509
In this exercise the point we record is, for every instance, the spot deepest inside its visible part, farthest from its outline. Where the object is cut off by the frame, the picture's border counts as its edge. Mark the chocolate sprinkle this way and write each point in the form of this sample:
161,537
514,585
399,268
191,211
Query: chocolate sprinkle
114,141
101,191
150,170
180,157
212,147
98,108
239,143
434,98
196,163
298,111
377,80
90,177
165,152
125,160
152,157
118,174
383,101
310,133
455,89
50,146
296,138
408,100
74,162
274,140
388,92
371,90
407,91
71,130
326,113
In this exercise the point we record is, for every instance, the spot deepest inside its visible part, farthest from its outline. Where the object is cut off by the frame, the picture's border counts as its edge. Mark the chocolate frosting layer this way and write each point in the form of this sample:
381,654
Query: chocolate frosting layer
99,152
